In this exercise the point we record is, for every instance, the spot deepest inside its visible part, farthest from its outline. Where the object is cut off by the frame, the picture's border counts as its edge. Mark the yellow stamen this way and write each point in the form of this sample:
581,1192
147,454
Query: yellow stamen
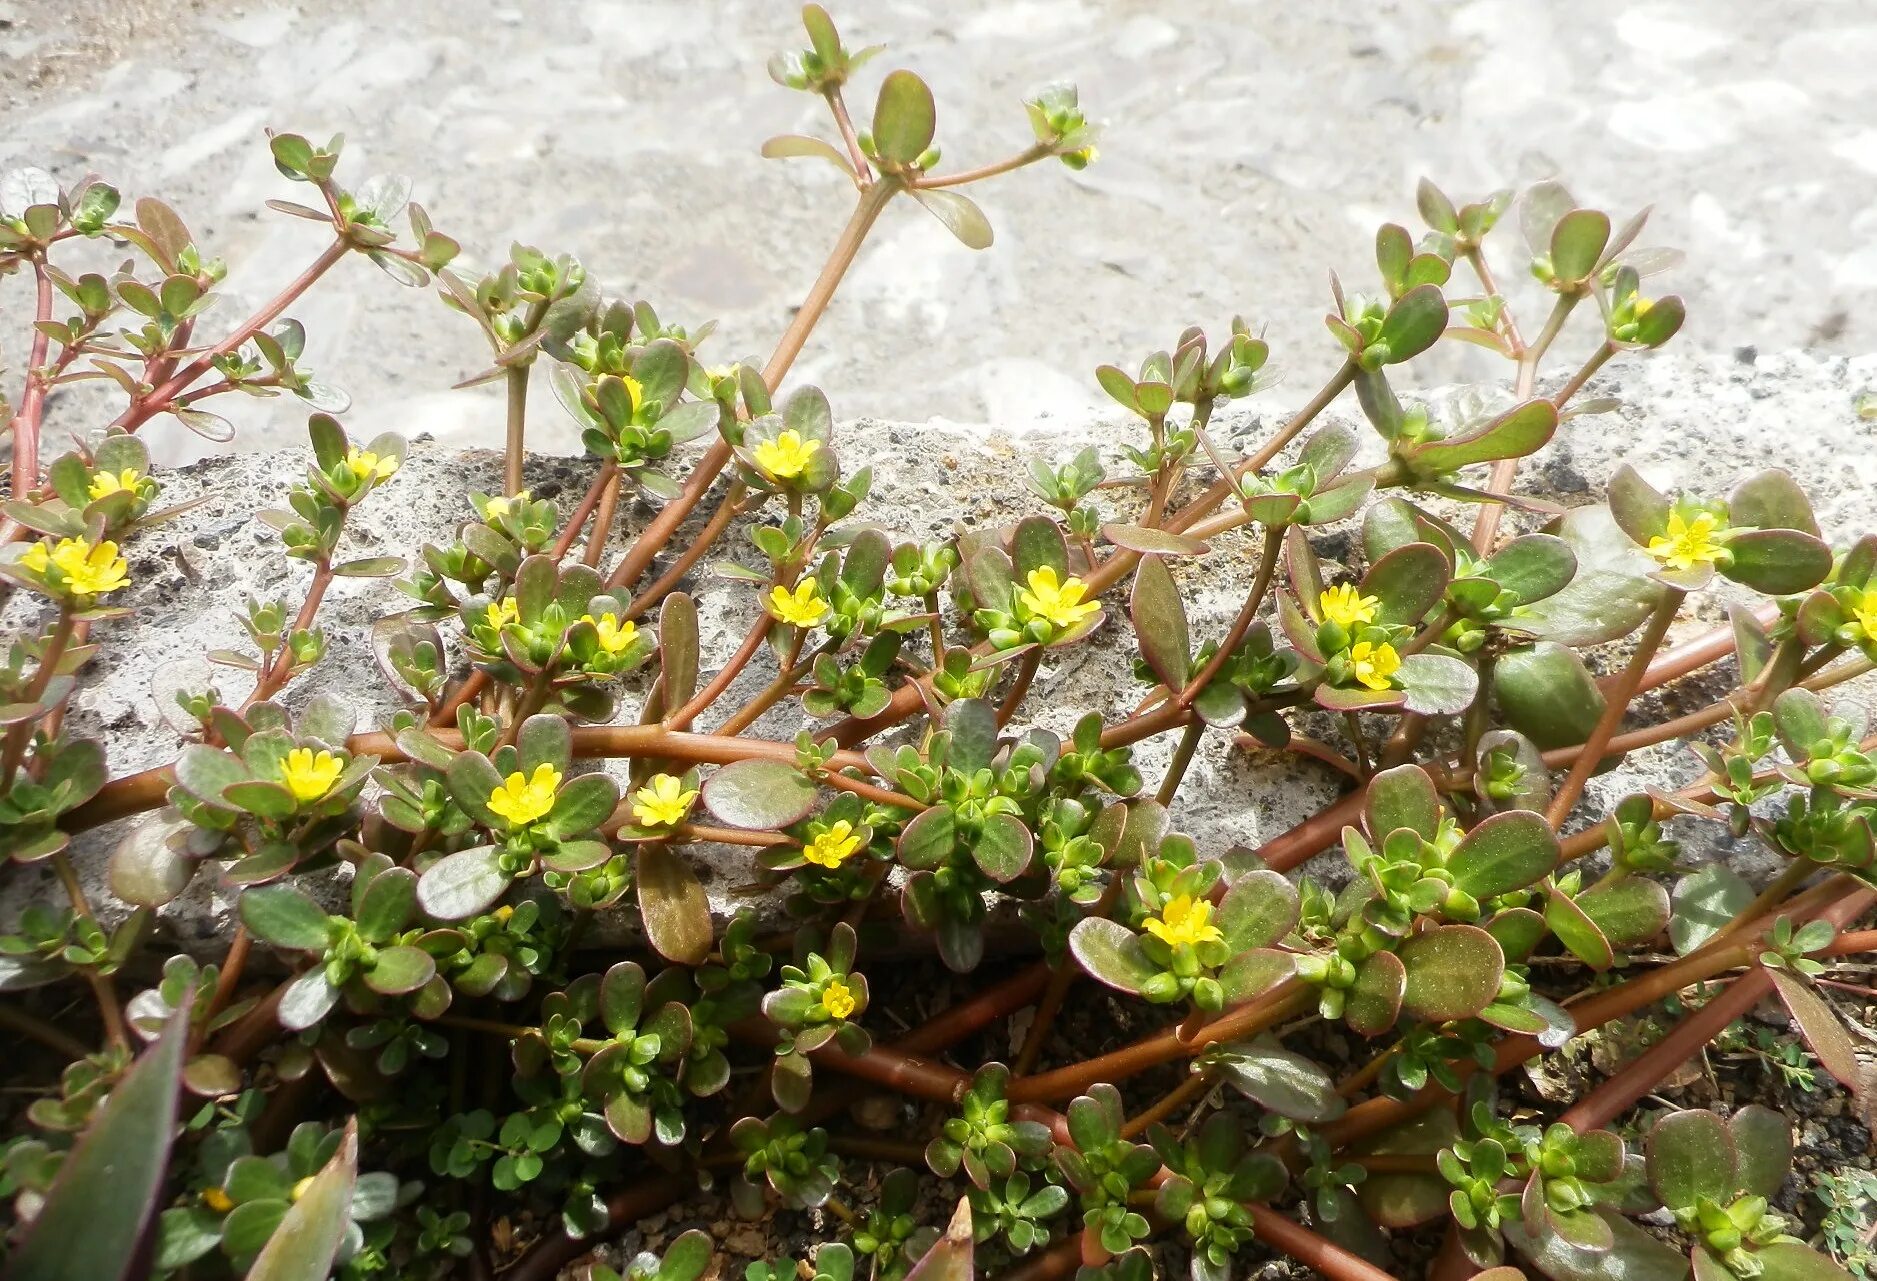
1060,604
1688,543
838,998
786,457
308,776
521,800
662,802
1373,664
1347,607
834,846
1184,920
802,608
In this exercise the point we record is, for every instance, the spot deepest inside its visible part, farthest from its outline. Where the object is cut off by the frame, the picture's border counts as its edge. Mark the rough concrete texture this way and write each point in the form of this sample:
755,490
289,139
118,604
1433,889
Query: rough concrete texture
1682,422
1251,148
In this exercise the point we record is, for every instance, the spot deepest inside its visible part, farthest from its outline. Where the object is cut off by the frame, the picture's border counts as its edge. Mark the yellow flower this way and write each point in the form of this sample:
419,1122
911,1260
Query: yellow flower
363,462
299,1189
834,846
662,802
1640,306
105,483
522,800
310,777
501,612
217,1200
1373,664
615,637
1865,612
87,570
838,998
1688,542
1184,920
803,608
786,457
635,391
1059,604
502,914
1347,607
498,507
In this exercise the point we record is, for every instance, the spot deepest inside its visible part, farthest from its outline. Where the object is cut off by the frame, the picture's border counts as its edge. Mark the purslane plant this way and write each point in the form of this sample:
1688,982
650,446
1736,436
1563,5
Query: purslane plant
409,991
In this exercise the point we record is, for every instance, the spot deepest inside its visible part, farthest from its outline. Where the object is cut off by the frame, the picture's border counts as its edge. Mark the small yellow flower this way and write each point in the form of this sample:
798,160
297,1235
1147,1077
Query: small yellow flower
1373,664
1347,607
87,570
217,1200
1058,603
502,914
501,612
105,483
635,391
786,457
662,802
802,608
834,846
498,507
1640,306
309,777
838,998
1184,920
1688,542
615,637
363,462
522,800
1865,612
299,1189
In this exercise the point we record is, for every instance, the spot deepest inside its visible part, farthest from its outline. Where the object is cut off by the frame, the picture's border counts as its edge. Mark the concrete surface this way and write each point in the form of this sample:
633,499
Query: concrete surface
1251,148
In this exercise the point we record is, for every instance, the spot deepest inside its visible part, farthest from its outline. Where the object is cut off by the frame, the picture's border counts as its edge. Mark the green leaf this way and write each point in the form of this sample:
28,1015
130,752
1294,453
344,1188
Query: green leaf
582,805
1282,1081
1577,931
1691,1156
1763,1144
463,884
1374,1003
1633,1254
307,1241
1037,543
960,214
1402,797
1778,562
1408,582
400,970
1793,1261
1003,847
1577,243
1404,1200
1611,593
1159,616
1532,567
1158,542
1705,903
371,567
904,119
1771,499
385,906
678,649
673,905
927,839
1111,953
97,1213
758,794
1639,508
686,1258
1257,911
308,999
789,145
1438,684
1820,1028
1453,972
285,917
1630,912
1505,852
256,796
1414,323
1547,694
1521,430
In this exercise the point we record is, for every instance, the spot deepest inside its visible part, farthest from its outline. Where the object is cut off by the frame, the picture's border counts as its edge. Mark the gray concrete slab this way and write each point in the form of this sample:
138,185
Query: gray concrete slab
1252,147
